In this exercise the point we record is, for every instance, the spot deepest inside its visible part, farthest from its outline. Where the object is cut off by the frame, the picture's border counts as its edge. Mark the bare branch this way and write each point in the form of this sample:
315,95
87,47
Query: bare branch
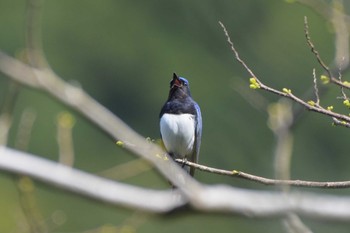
318,57
235,51
267,181
313,49
286,92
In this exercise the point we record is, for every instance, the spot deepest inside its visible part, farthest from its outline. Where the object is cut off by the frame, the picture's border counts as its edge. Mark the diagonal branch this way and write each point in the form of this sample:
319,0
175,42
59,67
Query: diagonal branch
319,59
258,84
313,49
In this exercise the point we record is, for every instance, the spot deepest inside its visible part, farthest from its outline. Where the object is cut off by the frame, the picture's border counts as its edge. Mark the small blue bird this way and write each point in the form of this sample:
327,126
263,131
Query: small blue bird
181,122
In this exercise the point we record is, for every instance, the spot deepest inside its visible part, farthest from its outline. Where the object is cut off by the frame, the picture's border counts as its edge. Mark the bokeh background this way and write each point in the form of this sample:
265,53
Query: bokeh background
123,53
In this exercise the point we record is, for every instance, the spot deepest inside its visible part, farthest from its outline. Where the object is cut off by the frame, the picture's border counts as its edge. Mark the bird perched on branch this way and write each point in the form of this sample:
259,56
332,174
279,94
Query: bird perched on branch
181,122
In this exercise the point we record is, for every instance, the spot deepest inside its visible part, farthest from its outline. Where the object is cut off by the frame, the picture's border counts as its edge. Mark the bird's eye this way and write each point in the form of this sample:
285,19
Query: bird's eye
185,83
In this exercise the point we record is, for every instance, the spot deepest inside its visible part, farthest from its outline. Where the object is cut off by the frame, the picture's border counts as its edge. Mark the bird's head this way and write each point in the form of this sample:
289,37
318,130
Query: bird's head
179,87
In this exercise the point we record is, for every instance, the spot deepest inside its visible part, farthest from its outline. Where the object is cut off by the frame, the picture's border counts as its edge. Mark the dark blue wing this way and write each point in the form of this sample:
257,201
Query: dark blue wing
197,143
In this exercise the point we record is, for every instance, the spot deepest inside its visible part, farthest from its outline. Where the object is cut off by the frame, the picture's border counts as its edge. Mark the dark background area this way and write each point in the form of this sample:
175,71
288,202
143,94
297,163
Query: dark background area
123,53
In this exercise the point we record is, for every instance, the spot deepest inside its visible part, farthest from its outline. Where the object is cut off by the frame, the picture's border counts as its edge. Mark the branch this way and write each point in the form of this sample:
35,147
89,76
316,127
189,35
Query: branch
267,181
319,59
218,198
256,83
313,49
88,185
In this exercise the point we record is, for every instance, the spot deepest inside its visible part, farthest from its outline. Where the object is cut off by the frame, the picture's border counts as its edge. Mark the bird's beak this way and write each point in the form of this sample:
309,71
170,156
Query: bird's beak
176,81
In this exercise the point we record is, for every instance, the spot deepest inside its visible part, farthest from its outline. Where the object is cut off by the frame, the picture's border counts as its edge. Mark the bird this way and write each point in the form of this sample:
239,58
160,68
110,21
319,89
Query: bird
181,123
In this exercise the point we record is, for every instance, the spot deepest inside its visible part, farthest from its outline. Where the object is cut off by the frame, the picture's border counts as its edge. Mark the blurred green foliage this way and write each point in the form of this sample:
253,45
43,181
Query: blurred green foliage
123,53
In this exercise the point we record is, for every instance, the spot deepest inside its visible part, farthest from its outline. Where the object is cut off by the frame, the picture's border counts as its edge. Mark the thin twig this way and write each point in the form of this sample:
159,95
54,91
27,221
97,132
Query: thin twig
235,51
340,76
237,57
267,181
315,87
313,49
340,123
318,57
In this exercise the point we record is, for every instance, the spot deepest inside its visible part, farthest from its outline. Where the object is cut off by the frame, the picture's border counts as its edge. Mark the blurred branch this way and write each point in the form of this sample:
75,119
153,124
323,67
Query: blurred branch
6,111
255,99
129,225
293,224
25,186
319,6
126,170
33,36
29,204
65,123
218,198
341,28
280,121
88,185
24,131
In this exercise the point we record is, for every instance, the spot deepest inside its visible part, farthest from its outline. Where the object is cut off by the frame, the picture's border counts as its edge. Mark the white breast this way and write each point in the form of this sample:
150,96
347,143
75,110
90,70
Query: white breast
178,133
